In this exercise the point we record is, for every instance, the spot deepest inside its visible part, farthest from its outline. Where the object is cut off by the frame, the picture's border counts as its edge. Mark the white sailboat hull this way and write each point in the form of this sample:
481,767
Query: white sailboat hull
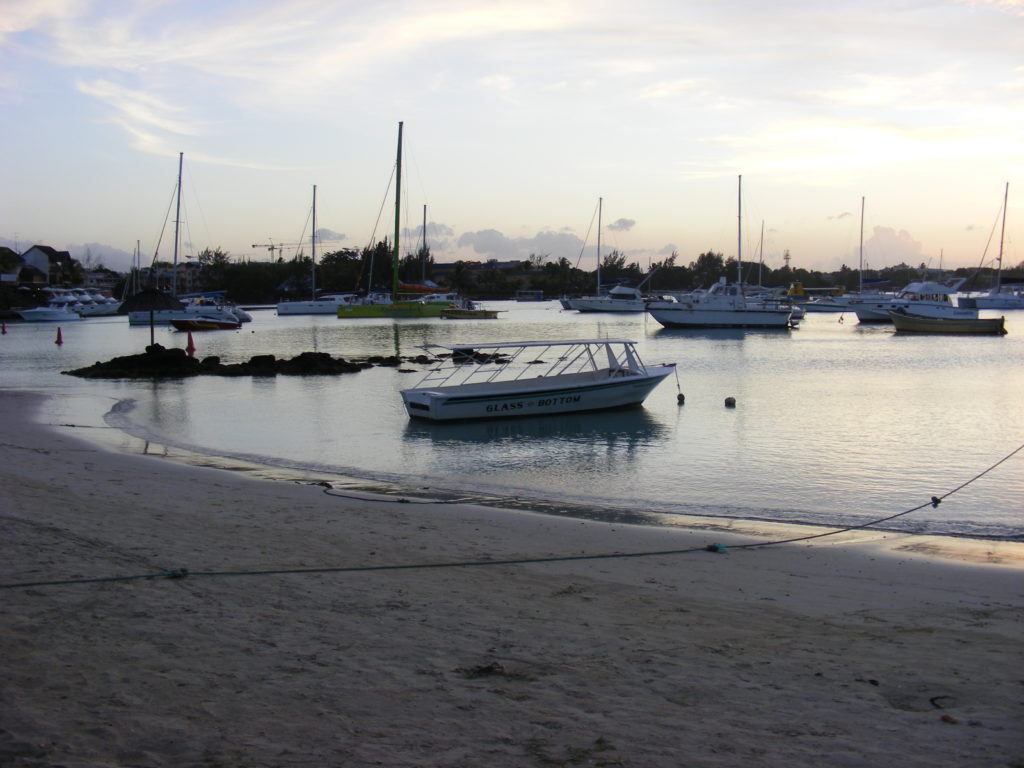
605,304
678,315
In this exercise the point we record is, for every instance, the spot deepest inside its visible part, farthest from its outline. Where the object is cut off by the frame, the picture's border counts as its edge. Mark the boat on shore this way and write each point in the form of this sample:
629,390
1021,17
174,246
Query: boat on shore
907,322
502,379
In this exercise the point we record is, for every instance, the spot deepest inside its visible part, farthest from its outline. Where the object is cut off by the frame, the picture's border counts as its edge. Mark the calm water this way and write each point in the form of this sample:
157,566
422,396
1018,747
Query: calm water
836,423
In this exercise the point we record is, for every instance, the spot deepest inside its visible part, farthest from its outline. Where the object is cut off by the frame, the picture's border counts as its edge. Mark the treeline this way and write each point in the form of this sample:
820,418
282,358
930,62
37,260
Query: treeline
370,269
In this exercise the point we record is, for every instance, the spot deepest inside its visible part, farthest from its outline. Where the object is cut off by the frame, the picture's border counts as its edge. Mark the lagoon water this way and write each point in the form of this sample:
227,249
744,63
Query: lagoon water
836,423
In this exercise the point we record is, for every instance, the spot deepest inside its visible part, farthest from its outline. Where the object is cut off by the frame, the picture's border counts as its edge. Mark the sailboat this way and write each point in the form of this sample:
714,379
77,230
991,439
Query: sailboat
316,305
208,306
1011,295
846,301
429,305
621,298
723,305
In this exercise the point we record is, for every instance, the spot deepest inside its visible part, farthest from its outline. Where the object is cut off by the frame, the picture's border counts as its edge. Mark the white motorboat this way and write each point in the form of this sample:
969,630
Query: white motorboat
198,306
928,298
326,304
621,298
99,305
52,312
61,306
495,380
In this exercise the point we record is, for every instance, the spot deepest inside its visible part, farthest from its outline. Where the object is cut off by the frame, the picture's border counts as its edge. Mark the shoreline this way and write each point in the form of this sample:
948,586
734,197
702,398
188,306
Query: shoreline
855,649
989,549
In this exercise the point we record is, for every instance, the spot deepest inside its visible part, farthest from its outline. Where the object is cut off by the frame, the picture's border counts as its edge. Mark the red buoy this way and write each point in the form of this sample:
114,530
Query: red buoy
190,347
59,339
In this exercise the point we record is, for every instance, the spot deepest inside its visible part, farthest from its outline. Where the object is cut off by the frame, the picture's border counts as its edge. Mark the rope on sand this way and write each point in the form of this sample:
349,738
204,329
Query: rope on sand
181,573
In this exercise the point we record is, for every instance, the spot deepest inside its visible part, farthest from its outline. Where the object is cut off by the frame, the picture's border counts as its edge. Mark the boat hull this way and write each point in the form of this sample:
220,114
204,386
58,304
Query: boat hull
999,302
48,315
204,324
908,323
676,315
603,304
308,307
469,314
544,395
396,309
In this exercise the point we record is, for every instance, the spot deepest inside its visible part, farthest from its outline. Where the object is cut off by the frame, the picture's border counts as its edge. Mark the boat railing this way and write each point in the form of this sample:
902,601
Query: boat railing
466,366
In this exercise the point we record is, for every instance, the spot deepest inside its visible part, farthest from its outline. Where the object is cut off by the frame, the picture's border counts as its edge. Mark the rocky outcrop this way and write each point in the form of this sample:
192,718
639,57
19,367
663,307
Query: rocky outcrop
158,362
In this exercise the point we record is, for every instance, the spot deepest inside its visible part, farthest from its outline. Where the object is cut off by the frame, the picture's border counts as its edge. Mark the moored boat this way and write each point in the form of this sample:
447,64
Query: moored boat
724,305
61,307
906,322
205,324
930,298
467,310
495,380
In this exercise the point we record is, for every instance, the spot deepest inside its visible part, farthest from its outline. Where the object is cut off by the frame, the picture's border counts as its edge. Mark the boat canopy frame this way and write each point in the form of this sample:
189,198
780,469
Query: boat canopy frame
487,362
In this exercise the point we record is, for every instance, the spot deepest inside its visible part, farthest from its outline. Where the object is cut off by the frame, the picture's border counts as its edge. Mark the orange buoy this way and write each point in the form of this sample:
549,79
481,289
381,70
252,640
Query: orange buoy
59,339
190,347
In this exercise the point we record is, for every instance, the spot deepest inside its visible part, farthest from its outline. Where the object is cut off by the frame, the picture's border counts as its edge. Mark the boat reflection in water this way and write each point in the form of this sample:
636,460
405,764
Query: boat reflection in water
631,427
722,334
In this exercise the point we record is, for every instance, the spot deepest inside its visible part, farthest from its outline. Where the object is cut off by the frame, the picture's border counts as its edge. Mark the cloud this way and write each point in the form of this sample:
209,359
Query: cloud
622,225
329,235
492,244
886,247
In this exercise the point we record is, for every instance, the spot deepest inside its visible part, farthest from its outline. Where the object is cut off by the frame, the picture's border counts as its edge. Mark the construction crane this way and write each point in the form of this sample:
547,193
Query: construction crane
279,247
271,246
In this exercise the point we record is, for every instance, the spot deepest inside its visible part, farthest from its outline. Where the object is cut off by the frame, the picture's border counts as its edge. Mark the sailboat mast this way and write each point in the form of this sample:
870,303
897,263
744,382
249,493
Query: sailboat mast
177,226
860,268
600,203
1002,234
423,255
398,209
739,231
312,248
760,258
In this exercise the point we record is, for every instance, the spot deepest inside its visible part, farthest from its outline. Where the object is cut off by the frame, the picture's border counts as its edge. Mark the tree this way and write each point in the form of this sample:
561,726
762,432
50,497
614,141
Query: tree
215,264
707,269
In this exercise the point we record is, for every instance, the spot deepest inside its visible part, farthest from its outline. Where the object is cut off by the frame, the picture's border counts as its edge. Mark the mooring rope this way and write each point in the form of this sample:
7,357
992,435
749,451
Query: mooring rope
180,573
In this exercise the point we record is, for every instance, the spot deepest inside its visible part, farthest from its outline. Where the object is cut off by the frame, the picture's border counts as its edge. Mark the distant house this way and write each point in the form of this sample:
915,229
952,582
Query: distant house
58,266
162,276
102,280
10,265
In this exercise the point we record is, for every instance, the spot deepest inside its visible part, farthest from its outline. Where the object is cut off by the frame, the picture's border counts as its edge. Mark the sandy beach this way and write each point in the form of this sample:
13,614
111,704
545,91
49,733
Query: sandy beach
853,650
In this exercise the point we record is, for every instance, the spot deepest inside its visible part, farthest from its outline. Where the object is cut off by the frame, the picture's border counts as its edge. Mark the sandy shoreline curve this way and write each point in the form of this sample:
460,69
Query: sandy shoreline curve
851,650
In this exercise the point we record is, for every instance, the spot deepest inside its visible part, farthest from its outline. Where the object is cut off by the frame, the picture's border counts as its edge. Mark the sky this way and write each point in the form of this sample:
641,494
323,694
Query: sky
519,116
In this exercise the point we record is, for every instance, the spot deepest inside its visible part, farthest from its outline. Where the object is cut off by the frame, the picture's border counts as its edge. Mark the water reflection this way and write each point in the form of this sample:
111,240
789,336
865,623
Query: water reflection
631,426
721,334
